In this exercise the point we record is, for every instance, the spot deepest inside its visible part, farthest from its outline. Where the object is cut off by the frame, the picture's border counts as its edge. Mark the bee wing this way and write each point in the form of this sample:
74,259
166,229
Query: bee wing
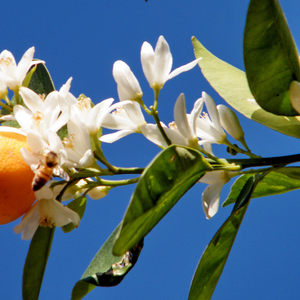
60,172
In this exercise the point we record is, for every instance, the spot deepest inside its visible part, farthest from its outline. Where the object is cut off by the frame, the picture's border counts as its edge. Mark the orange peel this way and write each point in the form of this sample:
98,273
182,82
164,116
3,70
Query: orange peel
16,195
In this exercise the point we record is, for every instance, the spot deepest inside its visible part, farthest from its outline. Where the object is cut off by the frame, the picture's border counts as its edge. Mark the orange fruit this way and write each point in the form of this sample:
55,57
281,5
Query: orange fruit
16,195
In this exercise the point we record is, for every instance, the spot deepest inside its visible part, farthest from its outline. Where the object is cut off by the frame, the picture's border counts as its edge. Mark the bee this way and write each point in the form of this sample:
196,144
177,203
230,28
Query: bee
48,166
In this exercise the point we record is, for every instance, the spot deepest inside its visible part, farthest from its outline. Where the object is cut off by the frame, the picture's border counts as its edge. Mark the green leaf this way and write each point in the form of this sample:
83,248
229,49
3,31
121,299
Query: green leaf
270,56
277,182
165,180
11,124
106,269
232,86
36,262
216,253
63,132
41,81
77,205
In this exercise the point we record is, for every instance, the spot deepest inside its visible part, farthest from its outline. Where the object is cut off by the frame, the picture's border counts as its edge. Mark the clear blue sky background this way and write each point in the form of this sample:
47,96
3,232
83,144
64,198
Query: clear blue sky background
83,39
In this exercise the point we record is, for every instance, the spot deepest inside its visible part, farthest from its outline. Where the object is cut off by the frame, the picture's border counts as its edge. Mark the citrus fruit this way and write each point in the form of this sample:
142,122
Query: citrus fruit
16,195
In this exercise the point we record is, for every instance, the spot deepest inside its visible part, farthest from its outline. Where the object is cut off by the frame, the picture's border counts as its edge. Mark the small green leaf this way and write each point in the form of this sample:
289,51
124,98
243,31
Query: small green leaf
274,183
216,253
11,124
165,180
41,81
77,205
270,56
63,132
106,269
232,86
36,262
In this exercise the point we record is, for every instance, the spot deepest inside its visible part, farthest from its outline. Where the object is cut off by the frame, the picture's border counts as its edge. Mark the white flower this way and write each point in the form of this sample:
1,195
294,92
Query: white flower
211,194
182,131
50,113
78,144
39,148
93,118
209,127
157,64
127,84
46,212
14,73
127,118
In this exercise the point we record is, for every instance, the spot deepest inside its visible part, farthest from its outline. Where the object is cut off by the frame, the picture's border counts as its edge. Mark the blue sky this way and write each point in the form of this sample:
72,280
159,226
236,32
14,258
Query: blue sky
83,39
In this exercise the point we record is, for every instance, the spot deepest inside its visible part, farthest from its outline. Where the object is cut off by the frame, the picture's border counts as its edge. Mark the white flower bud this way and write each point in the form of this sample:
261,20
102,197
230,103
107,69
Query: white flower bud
128,86
99,192
230,122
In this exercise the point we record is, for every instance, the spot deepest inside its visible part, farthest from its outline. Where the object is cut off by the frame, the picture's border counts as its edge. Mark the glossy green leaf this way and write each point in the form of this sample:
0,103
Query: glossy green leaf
232,86
41,81
165,180
216,253
270,56
276,182
77,205
106,269
36,262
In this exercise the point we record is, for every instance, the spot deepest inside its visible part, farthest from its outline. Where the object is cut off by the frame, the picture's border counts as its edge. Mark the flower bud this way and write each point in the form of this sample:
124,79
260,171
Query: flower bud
230,122
128,86
99,192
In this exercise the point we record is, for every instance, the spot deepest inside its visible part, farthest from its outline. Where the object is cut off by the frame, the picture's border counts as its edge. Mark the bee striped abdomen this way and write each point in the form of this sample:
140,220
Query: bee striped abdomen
45,170
43,175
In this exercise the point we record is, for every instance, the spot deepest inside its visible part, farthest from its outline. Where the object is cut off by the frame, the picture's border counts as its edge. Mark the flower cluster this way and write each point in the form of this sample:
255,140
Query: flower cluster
43,118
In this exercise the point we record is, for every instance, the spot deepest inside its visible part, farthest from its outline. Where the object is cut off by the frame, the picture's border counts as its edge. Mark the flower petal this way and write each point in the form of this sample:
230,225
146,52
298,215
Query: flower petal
213,112
113,137
29,223
97,115
126,81
182,69
32,100
211,198
24,65
152,133
87,159
198,105
36,142
134,112
24,117
163,61
64,215
30,158
147,60
118,121
8,66
181,119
